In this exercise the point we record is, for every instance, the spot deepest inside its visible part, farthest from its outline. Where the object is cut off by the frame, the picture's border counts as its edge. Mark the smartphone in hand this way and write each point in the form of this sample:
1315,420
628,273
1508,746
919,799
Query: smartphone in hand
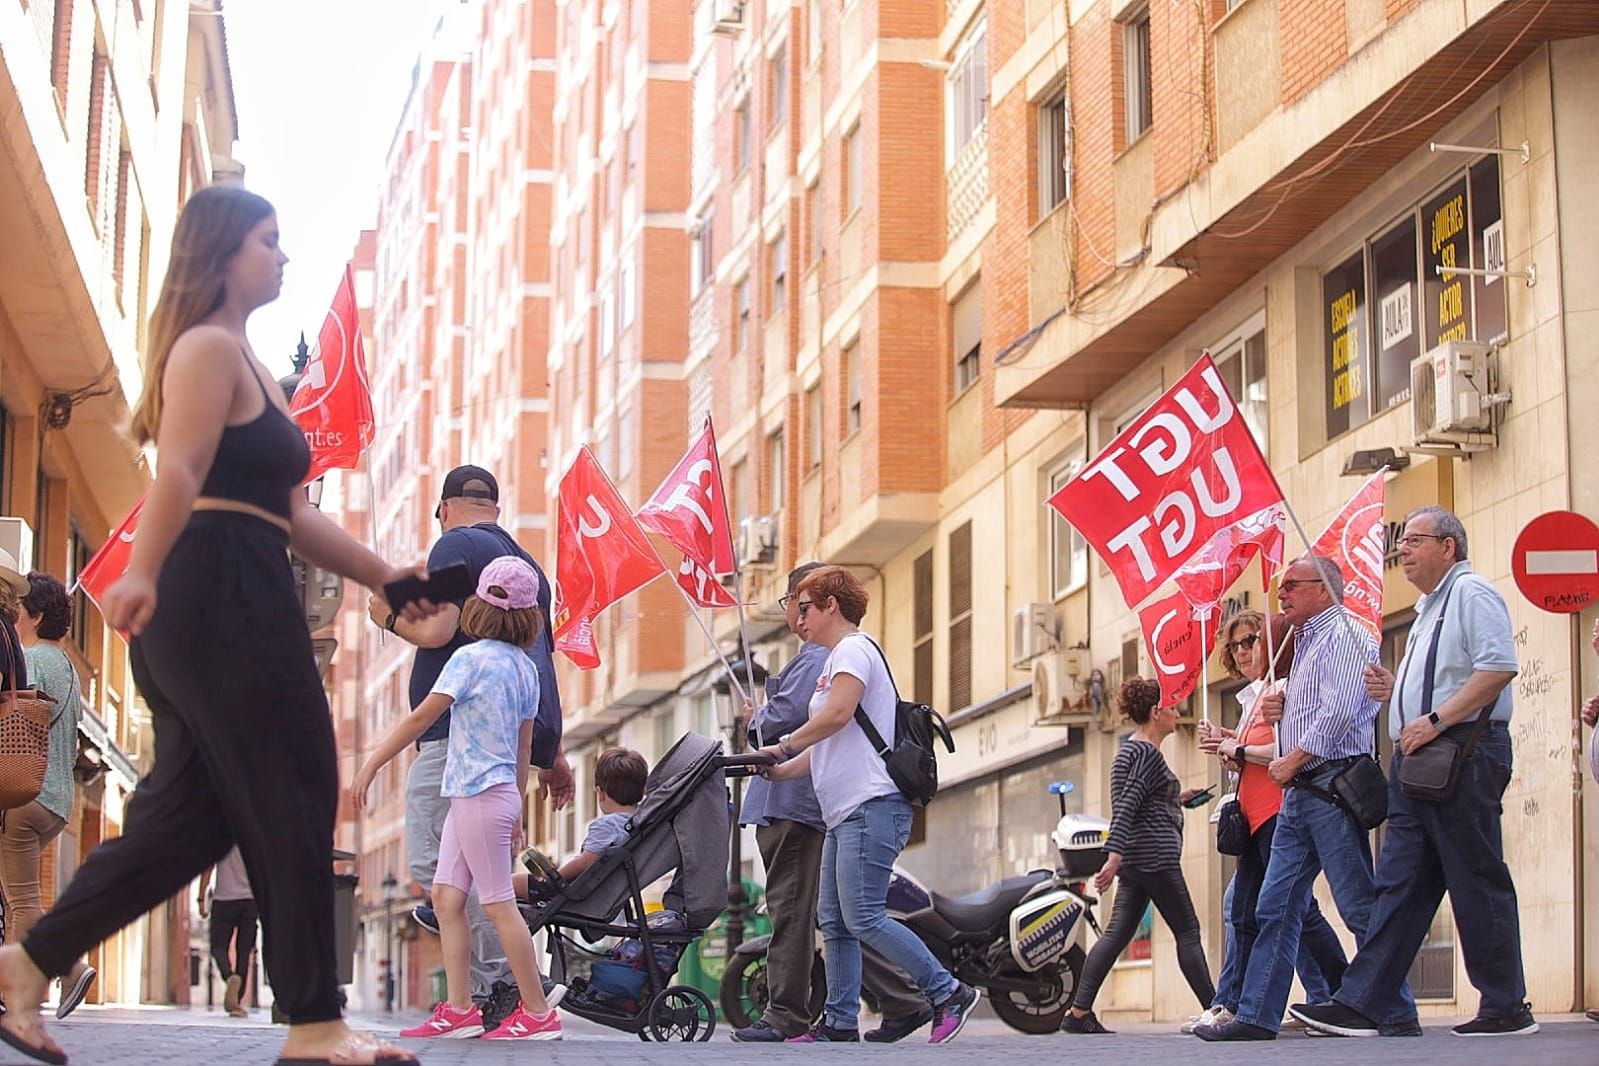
442,586
1199,799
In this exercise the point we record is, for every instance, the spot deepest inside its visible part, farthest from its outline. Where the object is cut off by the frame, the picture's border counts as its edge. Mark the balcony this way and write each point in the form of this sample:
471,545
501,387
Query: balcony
967,183
1278,181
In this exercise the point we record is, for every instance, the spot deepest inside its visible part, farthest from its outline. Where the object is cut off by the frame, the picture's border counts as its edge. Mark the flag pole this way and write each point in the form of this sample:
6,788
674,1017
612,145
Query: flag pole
749,659
1333,594
693,609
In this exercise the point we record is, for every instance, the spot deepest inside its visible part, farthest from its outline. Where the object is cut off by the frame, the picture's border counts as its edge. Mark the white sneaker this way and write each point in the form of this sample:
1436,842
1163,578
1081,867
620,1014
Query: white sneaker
1209,1016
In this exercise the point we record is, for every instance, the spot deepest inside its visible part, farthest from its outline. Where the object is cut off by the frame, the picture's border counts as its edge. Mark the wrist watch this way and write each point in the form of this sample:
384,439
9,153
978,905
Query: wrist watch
389,623
785,747
1437,723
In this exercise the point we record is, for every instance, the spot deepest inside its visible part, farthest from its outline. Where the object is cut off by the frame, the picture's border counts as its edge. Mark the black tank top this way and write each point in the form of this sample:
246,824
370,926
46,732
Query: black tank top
260,462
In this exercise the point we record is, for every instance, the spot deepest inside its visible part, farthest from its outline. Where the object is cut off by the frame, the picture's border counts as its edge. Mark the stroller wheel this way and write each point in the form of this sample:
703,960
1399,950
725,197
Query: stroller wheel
682,1012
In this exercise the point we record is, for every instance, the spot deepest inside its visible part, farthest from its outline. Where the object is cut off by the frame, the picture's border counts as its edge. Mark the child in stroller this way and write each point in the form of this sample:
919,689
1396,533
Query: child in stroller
619,777
679,828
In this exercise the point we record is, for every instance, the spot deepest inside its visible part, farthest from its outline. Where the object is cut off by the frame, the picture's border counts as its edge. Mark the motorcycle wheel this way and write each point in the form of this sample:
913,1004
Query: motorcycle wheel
744,995
1042,1009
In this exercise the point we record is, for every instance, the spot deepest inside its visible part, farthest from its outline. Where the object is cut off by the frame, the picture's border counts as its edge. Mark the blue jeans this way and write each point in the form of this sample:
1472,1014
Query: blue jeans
857,859
1432,848
1312,836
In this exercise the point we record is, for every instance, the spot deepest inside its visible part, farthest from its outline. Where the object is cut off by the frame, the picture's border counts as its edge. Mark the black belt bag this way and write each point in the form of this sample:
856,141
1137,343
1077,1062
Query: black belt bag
1431,772
1359,787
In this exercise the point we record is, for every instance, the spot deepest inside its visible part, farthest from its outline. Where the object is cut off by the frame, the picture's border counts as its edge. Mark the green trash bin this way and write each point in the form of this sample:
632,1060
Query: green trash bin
703,965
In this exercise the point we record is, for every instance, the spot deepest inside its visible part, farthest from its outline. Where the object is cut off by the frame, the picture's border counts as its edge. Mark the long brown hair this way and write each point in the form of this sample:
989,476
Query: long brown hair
210,230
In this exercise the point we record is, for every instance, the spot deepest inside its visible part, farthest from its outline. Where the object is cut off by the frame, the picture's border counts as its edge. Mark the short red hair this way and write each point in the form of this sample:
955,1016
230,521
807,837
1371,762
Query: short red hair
834,582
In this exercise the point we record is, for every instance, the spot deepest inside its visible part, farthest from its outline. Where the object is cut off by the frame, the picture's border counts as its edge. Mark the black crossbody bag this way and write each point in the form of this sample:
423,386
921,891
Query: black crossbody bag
910,762
1431,772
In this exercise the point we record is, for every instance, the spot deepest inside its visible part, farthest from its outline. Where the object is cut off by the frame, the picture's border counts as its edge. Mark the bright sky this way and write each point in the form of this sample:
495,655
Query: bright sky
319,86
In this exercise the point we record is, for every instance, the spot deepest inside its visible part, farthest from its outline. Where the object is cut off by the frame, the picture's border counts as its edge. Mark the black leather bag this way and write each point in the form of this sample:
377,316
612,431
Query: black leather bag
1232,828
910,761
1361,789
1431,772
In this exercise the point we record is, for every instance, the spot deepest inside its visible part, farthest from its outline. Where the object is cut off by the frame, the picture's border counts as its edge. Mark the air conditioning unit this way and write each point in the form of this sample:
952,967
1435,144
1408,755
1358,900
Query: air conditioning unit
1059,695
1451,396
729,15
757,540
1032,632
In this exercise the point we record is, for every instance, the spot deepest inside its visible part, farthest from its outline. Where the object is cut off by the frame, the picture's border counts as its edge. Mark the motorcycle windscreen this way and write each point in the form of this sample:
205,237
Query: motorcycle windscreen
1043,927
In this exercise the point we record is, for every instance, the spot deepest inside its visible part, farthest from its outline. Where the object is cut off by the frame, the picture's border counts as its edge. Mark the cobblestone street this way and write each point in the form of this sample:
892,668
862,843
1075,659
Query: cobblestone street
114,1037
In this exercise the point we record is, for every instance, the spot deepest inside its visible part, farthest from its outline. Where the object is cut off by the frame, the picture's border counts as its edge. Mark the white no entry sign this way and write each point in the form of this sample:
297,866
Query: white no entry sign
1556,562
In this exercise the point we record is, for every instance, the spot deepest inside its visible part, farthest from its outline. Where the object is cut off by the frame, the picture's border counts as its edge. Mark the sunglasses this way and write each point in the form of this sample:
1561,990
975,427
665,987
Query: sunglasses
1244,643
1293,583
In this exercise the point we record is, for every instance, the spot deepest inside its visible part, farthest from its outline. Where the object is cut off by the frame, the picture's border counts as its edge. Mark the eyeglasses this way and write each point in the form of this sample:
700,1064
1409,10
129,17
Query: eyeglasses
1413,540
784,601
1243,643
805,605
1295,582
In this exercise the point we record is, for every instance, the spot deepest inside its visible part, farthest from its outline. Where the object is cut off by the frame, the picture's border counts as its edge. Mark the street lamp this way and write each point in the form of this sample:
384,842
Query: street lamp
751,673
391,895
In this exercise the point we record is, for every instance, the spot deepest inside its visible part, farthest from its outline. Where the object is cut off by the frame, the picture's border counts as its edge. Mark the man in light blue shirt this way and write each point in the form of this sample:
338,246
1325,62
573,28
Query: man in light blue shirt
1462,630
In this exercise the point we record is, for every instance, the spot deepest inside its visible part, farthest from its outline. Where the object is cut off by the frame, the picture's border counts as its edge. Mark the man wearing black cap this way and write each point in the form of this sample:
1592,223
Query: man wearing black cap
468,511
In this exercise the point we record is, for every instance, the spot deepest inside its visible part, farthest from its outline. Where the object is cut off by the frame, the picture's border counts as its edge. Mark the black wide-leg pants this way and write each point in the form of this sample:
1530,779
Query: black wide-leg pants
244,754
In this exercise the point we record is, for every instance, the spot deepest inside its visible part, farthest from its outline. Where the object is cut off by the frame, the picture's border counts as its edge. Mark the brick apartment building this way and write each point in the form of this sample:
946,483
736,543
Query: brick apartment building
922,259
115,114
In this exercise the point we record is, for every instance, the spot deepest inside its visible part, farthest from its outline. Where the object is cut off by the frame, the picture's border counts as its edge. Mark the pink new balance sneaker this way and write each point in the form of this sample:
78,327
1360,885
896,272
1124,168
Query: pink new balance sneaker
521,1024
450,1023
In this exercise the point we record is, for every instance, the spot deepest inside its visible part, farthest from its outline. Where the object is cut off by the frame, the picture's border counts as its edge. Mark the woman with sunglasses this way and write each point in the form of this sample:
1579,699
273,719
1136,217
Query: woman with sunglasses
1248,750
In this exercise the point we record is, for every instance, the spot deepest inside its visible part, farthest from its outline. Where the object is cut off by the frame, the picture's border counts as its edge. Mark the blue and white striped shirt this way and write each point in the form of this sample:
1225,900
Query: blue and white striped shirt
1327,714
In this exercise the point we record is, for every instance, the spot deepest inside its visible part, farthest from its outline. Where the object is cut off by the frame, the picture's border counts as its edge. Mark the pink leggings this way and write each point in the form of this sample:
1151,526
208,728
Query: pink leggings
475,847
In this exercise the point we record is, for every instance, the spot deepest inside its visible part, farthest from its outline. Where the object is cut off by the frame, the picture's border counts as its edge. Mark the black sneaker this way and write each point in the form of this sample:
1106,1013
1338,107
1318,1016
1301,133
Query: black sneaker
761,1032
1520,1024
1085,1024
951,1016
822,1033
1410,1028
502,999
1334,1019
1233,1031
894,1029
426,918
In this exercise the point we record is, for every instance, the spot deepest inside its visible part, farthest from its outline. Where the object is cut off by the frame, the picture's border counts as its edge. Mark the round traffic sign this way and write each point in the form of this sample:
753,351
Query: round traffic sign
1556,562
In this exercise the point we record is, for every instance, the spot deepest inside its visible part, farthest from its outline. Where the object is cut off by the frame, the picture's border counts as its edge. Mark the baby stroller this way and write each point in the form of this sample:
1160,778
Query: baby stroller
682,825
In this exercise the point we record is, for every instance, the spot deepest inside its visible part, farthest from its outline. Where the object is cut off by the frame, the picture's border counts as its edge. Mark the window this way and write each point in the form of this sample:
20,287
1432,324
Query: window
777,270
741,135
922,635
1487,251
813,210
776,471
1241,360
1393,287
704,261
852,388
1136,87
741,315
813,422
779,68
960,618
607,325
625,302
1068,551
967,327
743,494
968,88
813,32
78,556
852,170
1343,293
1054,153
626,441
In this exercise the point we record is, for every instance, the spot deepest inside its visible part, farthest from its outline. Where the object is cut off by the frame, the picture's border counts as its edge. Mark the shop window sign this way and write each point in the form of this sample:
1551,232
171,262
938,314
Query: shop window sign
1415,302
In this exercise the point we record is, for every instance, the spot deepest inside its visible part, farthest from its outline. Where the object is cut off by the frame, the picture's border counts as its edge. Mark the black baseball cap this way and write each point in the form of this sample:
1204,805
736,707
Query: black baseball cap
468,482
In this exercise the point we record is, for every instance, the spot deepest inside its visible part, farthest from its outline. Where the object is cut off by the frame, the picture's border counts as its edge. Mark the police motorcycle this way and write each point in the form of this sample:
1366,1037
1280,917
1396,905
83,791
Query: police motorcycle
1021,939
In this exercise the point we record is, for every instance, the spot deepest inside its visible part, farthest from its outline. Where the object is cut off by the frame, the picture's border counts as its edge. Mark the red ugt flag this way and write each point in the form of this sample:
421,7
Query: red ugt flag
690,511
1224,559
1356,540
111,561
1185,469
601,555
333,403
1178,645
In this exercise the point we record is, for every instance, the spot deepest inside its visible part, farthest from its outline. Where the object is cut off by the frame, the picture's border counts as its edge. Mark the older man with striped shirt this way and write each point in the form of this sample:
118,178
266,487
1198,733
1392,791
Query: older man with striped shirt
1327,721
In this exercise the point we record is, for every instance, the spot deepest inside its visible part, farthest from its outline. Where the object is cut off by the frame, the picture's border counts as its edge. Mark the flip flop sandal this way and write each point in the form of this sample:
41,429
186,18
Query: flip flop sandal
72,998
359,1049
39,1052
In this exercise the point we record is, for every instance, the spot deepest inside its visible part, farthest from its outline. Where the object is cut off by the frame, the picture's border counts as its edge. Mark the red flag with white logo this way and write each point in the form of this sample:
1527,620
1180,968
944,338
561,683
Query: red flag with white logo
1185,469
1223,561
111,561
601,555
1357,541
1178,645
333,402
690,511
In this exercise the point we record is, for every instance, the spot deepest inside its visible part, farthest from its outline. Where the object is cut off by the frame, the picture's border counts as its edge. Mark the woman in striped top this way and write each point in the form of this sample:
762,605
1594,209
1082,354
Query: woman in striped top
1144,853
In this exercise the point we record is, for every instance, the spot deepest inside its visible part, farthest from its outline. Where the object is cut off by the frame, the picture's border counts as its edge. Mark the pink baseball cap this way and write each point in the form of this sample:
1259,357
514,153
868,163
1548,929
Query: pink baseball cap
509,583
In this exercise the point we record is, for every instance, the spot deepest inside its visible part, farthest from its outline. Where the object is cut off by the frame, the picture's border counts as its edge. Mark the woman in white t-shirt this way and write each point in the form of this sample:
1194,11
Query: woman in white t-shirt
868,820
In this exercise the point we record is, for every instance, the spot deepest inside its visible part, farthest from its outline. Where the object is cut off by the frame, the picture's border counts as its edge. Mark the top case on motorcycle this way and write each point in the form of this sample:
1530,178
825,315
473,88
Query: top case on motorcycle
987,908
